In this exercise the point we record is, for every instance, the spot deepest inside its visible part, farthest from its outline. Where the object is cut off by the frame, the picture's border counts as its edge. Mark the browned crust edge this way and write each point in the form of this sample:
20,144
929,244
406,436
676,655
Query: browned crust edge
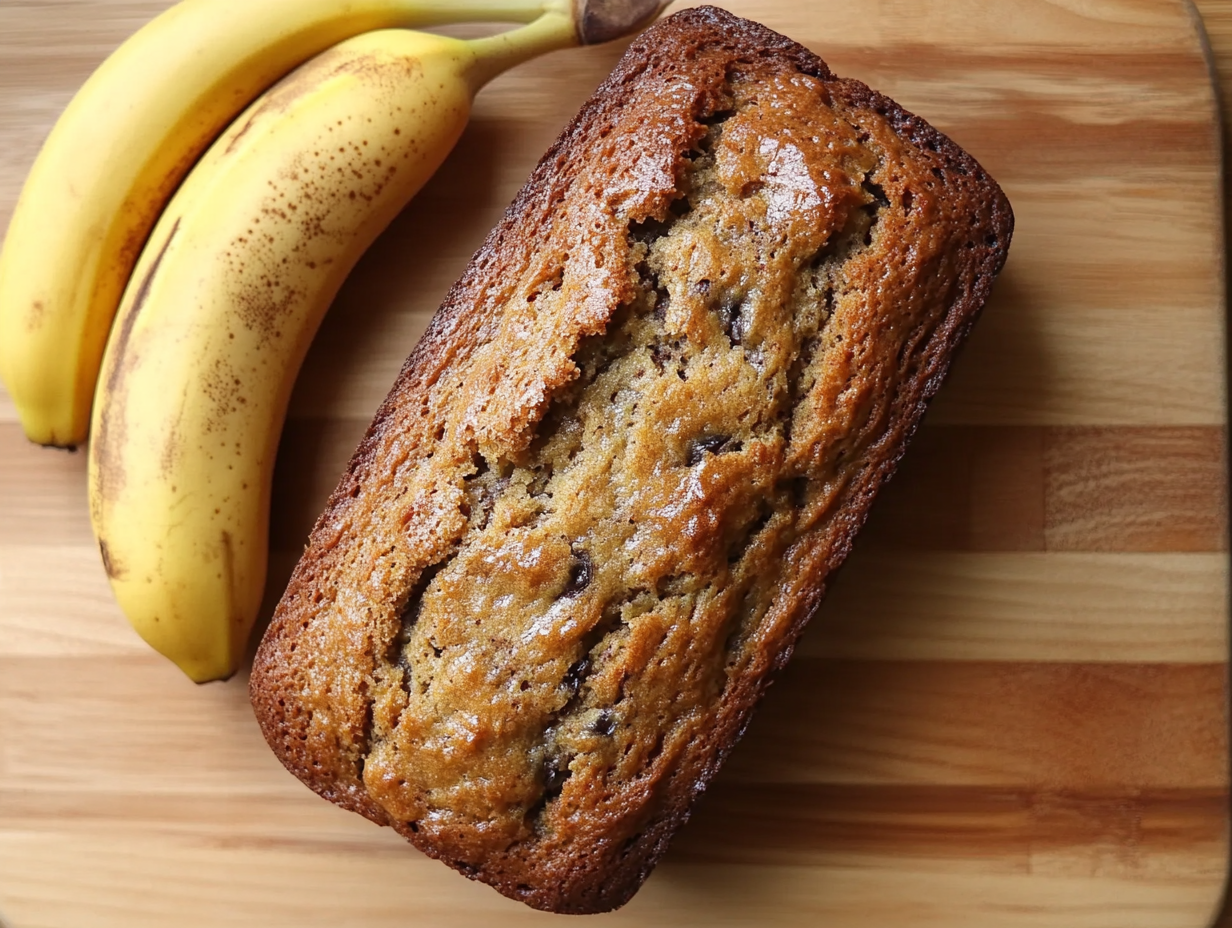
571,889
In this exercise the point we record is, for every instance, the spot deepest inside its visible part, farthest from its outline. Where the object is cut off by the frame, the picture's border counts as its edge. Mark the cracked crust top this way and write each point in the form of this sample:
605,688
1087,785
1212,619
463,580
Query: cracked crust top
608,488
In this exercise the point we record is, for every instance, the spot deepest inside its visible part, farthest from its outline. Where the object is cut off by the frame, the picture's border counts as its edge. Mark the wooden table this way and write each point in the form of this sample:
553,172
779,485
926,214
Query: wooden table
1012,711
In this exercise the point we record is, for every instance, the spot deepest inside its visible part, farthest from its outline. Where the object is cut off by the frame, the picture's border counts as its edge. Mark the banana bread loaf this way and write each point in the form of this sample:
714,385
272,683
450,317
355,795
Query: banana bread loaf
608,489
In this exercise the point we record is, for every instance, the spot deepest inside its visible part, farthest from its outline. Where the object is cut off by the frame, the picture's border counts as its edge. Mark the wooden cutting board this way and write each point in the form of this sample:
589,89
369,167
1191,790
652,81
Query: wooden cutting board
1012,708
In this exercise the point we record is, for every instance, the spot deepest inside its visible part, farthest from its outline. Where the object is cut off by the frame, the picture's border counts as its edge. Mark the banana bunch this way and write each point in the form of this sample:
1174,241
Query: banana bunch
161,282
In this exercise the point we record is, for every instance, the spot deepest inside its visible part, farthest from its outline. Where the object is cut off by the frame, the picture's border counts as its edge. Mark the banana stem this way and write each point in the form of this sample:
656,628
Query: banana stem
494,54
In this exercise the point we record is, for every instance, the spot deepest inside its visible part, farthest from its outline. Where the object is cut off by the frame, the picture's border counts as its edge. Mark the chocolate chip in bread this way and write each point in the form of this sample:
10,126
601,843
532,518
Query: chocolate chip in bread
610,484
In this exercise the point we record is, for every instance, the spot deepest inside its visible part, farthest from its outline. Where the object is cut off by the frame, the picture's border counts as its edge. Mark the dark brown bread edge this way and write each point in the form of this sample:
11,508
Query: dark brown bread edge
811,559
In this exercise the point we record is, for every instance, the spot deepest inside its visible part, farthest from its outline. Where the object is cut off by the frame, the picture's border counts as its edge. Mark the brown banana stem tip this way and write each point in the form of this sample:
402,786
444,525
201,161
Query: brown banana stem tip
604,20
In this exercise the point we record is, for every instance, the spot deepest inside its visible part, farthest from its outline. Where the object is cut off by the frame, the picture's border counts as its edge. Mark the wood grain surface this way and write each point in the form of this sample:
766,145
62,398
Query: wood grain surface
1012,709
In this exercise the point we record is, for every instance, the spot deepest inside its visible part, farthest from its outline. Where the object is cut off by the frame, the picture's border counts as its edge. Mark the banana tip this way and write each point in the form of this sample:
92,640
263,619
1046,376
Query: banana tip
603,20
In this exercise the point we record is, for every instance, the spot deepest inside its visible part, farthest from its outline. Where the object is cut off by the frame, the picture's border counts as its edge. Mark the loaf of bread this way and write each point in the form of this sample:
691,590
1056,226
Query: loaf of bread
610,485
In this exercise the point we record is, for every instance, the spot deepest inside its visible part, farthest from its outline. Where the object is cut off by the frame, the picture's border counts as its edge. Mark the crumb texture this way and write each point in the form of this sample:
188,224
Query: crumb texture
603,499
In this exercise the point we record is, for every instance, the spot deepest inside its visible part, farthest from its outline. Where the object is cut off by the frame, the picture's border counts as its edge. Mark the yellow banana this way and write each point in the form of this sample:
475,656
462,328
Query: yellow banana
120,149
224,302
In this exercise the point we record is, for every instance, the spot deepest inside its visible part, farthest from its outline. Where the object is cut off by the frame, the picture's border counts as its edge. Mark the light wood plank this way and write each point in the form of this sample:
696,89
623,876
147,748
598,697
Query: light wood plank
42,492
890,605
1048,726
158,881
1024,607
56,601
1128,833
8,410
1052,726
141,722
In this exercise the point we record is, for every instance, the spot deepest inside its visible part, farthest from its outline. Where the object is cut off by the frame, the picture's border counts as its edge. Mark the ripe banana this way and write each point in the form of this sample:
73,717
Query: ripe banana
120,149
224,302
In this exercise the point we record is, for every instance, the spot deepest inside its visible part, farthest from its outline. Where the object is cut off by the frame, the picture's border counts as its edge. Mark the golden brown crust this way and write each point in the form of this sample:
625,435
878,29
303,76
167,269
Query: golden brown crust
607,490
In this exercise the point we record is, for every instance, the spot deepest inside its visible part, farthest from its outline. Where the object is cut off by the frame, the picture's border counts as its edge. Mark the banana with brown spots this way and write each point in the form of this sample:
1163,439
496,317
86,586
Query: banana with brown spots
129,137
226,298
